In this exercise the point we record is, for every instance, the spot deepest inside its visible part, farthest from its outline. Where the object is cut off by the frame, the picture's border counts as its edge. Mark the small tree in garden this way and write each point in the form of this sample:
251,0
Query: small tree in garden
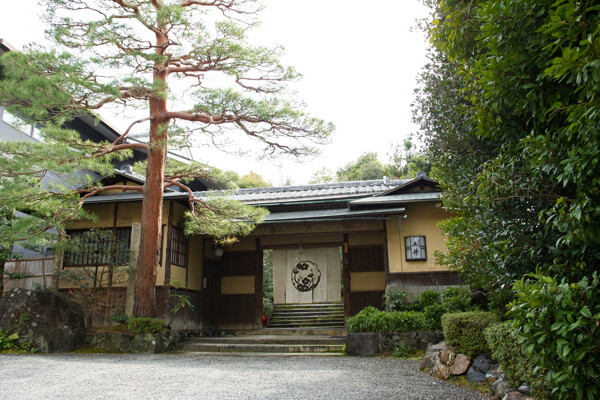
95,262
129,54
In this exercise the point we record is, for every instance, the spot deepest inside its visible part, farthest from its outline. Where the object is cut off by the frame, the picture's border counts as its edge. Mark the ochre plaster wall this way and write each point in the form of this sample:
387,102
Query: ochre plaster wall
237,285
195,263
422,219
367,281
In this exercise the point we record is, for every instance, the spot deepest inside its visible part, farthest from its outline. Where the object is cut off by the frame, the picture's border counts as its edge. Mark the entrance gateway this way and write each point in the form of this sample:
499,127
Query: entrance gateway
303,276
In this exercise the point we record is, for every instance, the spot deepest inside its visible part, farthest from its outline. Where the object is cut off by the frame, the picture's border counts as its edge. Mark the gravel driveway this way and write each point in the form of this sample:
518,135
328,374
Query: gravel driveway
168,376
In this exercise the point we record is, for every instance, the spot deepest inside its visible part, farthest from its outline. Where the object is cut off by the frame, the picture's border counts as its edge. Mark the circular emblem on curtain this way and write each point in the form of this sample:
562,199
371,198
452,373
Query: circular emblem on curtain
306,276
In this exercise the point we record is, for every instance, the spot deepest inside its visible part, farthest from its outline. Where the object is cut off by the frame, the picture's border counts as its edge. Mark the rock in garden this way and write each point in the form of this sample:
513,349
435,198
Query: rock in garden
491,378
514,395
483,362
432,358
475,376
500,388
525,388
364,344
48,320
443,372
460,365
447,356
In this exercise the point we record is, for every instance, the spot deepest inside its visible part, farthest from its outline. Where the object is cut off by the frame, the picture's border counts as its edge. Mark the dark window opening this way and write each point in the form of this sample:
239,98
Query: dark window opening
99,247
179,247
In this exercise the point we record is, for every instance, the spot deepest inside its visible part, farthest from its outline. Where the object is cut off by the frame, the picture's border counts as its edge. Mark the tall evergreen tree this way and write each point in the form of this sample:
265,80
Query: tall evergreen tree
126,53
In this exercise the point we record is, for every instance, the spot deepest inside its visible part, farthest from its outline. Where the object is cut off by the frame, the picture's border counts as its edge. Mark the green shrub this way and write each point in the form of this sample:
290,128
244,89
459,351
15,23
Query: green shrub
510,353
456,299
120,318
559,326
394,299
464,330
145,325
404,351
429,297
433,314
371,319
267,307
11,343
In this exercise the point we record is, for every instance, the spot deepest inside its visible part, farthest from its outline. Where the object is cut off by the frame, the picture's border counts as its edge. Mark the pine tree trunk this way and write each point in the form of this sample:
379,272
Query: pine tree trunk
147,265
1,277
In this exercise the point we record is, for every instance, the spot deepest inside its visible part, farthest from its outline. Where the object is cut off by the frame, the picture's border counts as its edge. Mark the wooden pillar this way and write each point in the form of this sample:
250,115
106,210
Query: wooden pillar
346,263
258,285
167,281
59,258
386,258
134,249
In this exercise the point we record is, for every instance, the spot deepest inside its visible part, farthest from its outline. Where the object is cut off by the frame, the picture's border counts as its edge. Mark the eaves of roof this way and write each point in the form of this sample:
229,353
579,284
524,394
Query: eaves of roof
396,199
330,215
130,197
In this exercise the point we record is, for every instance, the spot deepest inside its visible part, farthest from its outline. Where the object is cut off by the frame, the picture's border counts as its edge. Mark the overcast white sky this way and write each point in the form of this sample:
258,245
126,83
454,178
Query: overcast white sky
359,61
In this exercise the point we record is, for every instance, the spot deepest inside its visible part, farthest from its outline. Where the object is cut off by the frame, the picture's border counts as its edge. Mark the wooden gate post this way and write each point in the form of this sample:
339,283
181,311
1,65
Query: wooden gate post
134,249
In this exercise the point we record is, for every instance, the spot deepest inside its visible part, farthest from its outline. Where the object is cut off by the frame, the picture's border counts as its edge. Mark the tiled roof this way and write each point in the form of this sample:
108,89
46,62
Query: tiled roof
321,191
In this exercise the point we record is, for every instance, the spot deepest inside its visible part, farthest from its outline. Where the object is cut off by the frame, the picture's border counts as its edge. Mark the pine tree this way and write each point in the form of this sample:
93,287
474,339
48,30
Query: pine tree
126,53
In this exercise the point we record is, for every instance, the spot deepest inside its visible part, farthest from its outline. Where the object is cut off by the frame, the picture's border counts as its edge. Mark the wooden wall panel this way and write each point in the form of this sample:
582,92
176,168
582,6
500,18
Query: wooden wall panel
239,263
186,319
237,312
441,278
366,259
360,300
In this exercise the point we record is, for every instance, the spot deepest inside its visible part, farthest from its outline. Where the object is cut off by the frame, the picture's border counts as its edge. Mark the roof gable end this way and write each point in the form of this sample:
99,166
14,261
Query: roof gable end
417,185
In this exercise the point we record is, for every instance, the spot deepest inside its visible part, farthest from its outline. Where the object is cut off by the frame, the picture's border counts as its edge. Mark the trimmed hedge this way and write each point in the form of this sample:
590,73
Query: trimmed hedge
464,330
145,325
517,366
371,319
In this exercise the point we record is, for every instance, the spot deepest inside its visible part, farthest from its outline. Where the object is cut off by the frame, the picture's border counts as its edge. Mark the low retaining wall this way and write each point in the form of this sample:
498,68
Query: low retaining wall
136,343
367,344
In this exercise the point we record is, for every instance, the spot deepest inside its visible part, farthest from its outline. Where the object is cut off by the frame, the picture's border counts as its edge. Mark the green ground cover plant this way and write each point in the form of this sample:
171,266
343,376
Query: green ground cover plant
145,325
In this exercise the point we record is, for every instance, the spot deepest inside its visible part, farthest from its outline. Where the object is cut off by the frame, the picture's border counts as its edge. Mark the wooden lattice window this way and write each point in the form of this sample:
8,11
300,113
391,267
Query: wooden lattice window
179,247
98,247
415,247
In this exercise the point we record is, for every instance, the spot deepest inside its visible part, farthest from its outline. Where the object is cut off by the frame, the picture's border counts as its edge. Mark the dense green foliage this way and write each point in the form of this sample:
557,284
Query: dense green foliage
559,326
145,325
268,283
11,343
509,109
429,297
430,302
371,319
516,364
249,180
464,330
456,299
395,299
405,162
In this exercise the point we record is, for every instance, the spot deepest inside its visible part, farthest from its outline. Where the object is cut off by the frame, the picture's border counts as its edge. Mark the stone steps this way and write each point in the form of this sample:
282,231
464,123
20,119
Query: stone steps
272,344
323,331
315,315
